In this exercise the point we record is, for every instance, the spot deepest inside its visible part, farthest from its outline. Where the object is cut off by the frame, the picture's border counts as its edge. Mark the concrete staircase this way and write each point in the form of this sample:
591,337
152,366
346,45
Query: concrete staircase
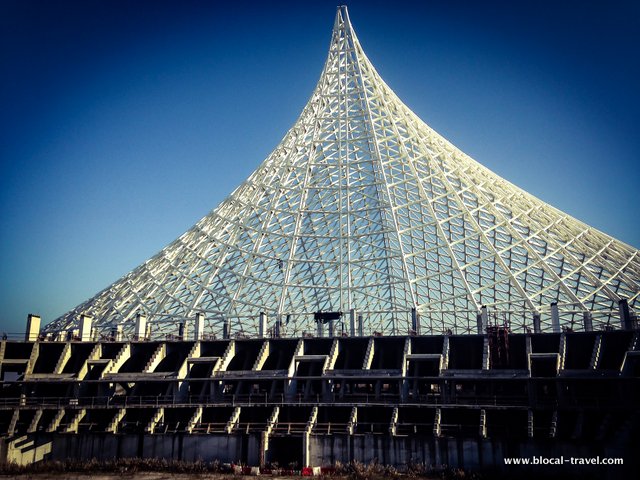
330,362
35,350
368,356
194,420
223,363
72,427
115,421
13,422
95,354
156,358
114,365
263,354
271,422
151,426
55,423
64,358
597,350
233,420
33,426
353,420
393,425
183,370
562,352
483,423
313,419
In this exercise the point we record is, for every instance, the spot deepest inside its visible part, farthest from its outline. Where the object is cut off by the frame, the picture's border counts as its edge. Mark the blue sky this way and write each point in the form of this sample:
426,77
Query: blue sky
123,123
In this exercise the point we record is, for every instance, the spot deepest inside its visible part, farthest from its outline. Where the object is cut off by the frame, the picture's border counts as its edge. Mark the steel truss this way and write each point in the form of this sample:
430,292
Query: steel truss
363,206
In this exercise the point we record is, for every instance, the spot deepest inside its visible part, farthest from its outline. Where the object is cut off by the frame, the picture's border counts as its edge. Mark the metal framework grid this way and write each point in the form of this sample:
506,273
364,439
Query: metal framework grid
363,206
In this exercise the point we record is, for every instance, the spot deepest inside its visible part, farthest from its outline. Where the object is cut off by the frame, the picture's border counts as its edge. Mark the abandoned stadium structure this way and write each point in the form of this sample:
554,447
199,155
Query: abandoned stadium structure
370,293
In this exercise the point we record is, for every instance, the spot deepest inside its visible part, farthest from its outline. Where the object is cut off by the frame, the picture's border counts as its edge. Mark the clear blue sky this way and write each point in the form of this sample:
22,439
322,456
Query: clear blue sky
123,123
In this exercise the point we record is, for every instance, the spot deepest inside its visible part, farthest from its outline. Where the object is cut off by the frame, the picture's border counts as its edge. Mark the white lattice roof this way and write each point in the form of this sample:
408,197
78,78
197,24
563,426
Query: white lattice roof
363,206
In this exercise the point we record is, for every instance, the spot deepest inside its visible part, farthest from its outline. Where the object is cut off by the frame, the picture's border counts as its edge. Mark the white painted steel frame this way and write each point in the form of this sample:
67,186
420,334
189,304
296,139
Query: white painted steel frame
364,206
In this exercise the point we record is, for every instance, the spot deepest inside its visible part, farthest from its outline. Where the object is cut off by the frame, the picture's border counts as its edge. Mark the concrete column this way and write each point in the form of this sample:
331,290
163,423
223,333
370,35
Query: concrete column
262,327
483,320
588,322
199,327
555,318
319,328
415,321
226,329
183,330
86,322
141,326
331,332
33,328
625,315
306,450
536,323
352,322
360,325
116,333
276,327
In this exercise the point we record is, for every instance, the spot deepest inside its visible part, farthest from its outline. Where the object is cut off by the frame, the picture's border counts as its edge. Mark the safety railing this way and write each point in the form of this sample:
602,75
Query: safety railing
122,401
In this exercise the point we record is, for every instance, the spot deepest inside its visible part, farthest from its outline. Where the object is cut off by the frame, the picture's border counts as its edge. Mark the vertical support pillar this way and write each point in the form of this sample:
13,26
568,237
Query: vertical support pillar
360,325
306,451
183,330
483,320
116,333
536,323
625,316
352,322
33,328
141,326
262,327
588,322
276,327
331,332
226,329
199,327
86,322
555,318
319,328
415,321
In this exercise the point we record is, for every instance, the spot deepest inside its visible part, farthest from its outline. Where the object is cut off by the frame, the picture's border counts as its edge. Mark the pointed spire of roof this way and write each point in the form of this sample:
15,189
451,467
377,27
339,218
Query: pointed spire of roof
363,206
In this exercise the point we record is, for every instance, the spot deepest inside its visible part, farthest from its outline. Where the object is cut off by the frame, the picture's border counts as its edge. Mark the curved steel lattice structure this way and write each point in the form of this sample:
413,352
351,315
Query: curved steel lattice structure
363,206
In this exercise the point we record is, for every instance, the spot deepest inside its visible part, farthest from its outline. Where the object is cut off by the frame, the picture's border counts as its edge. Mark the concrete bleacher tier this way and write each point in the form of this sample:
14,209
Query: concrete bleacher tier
318,400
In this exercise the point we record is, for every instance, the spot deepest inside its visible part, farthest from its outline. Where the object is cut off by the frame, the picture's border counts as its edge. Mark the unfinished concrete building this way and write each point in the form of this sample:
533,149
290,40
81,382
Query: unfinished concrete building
370,293
460,400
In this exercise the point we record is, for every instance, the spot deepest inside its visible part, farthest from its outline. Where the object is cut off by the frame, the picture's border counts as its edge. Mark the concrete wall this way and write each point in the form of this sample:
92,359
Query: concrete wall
104,446
472,454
